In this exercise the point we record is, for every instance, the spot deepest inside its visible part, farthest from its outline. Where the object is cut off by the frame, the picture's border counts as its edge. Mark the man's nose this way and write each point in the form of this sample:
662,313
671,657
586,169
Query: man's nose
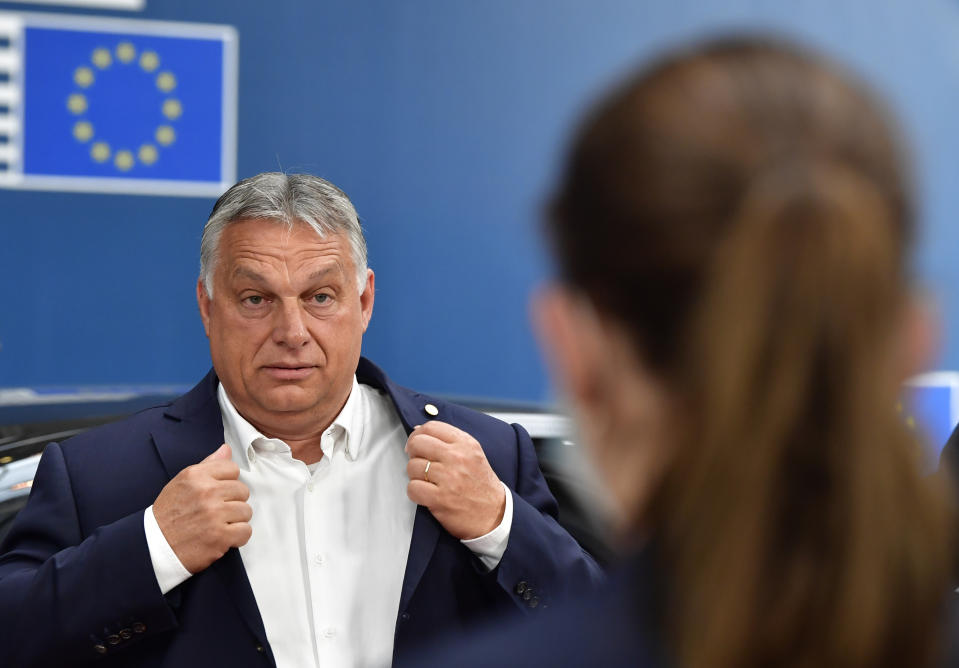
290,326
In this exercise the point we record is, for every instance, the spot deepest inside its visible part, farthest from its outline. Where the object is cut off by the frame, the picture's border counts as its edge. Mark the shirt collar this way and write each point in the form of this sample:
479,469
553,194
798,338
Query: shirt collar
242,436
350,421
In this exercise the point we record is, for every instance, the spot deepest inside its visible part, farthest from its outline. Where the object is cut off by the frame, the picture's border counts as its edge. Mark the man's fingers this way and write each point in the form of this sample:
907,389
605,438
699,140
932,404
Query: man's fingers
220,469
422,493
441,430
222,452
238,533
220,464
426,446
237,511
233,490
416,470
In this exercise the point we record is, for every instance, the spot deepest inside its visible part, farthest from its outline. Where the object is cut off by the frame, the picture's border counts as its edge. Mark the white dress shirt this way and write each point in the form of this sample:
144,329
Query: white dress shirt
330,541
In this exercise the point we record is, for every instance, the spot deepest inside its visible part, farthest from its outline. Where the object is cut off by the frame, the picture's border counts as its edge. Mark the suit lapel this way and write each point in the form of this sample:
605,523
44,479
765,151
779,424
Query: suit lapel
426,530
231,572
426,533
194,429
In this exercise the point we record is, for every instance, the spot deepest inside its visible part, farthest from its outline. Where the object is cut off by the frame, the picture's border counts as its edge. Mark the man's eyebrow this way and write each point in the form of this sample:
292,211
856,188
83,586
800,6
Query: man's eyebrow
320,273
252,275
249,273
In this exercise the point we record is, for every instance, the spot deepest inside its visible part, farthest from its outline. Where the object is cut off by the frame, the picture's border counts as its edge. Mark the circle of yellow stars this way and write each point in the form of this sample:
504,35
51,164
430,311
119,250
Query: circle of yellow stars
125,157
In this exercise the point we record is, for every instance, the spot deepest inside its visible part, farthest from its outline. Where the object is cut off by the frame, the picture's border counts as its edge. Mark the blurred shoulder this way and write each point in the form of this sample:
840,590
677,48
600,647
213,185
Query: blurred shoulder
615,626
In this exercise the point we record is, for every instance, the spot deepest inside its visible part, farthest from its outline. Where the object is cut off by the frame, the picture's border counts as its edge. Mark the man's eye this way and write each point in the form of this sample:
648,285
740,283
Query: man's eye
254,300
321,298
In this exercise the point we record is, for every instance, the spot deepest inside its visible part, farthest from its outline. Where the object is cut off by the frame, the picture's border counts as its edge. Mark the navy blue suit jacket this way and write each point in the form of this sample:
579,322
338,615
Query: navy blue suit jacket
77,585
618,625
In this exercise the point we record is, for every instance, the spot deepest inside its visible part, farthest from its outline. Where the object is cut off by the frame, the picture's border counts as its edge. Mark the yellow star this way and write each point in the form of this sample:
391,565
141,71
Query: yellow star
102,58
166,81
77,103
149,61
123,160
83,77
83,131
172,109
126,52
147,154
100,151
165,135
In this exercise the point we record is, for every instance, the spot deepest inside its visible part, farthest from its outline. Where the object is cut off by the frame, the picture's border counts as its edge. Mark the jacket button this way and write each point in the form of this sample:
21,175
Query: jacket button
113,639
126,634
260,649
139,627
405,616
100,648
521,587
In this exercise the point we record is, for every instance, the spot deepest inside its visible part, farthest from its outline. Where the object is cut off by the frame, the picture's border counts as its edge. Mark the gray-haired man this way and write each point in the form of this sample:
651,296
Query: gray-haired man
296,508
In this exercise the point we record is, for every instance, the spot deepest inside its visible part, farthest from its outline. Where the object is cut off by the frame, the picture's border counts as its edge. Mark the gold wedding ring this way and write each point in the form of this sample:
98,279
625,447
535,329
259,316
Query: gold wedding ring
426,471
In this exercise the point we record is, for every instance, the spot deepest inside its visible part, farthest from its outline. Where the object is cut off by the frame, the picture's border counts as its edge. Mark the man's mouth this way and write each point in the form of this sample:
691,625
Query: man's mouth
289,371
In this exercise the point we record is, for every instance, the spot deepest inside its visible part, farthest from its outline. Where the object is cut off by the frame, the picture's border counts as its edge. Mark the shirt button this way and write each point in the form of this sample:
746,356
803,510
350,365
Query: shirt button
319,560
309,486
329,632
251,454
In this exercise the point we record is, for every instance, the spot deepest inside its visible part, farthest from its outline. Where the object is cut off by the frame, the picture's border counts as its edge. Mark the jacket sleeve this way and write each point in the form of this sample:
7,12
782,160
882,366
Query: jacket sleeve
67,598
542,562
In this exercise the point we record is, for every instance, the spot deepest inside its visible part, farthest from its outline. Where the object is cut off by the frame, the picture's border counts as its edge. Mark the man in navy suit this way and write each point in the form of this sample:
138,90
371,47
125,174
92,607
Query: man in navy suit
295,508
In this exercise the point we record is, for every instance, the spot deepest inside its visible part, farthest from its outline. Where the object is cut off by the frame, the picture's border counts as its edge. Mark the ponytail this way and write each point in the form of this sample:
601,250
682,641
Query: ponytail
795,521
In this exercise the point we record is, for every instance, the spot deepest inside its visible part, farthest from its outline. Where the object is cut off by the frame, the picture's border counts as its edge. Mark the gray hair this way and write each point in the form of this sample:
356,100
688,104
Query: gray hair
287,199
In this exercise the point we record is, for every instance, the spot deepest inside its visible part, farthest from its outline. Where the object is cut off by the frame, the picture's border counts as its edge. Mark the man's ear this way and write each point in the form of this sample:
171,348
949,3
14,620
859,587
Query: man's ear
367,298
572,342
203,301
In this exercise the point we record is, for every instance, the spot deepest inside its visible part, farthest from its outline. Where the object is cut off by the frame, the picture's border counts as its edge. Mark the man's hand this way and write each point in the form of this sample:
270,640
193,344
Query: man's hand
203,511
460,489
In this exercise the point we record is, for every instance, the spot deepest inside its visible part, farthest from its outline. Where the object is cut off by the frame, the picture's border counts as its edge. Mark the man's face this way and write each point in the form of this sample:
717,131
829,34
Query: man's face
285,324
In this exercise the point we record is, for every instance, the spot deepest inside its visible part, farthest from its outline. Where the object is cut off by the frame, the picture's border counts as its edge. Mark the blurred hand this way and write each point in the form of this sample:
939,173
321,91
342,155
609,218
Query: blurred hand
461,490
203,511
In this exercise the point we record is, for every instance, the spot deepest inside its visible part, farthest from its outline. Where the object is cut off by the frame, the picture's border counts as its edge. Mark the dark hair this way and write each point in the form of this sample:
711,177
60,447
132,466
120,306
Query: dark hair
742,210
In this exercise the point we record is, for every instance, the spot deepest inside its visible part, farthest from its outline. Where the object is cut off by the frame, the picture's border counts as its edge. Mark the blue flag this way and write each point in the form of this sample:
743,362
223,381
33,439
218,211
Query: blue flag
126,106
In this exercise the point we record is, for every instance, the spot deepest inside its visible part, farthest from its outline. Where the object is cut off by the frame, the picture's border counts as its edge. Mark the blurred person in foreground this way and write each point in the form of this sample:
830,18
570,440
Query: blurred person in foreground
731,325
296,507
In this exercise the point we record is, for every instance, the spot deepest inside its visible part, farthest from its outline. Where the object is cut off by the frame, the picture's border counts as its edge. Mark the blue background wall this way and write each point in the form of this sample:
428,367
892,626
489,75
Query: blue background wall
443,119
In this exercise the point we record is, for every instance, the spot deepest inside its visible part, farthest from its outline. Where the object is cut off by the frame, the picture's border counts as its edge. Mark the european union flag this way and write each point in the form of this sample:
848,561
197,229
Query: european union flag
126,106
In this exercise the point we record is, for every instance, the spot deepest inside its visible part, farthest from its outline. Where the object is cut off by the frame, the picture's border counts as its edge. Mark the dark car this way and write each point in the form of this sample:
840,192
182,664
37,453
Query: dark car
29,419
